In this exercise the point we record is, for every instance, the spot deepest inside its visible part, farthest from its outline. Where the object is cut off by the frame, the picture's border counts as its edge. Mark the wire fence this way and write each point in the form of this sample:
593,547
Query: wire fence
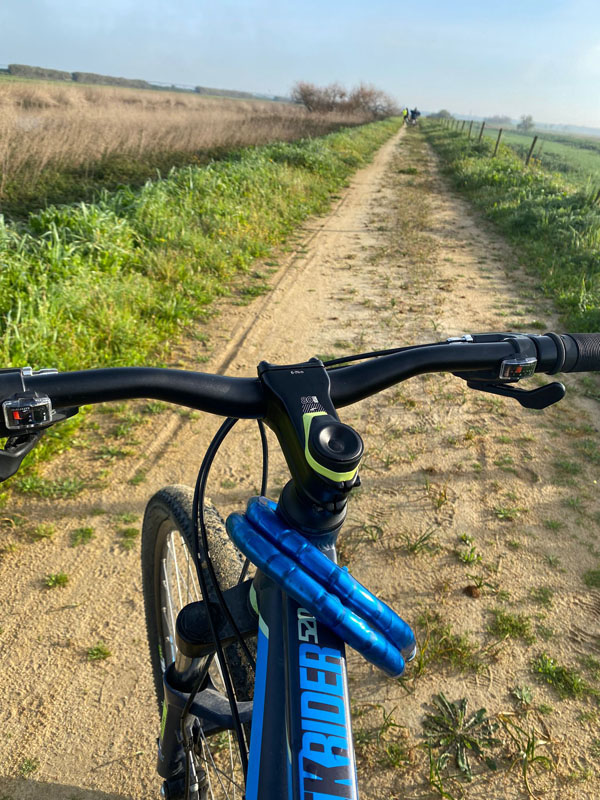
577,158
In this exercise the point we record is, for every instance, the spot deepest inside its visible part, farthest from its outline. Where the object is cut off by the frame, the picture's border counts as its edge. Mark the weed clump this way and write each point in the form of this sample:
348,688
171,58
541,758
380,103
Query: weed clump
566,682
450,731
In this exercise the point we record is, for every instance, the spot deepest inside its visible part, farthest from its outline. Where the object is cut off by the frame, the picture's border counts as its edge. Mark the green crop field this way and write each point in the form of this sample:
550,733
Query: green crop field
577,158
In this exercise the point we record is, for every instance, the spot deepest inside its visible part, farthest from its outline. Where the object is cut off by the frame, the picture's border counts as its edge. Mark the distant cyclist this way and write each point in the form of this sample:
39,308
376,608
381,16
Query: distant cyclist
414,115
405,115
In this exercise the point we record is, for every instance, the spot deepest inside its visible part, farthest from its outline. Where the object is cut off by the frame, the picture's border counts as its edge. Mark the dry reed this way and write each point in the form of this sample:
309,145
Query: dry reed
43,125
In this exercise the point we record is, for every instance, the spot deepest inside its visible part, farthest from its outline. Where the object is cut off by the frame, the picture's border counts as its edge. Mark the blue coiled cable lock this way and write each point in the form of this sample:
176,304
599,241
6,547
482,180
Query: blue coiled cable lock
329,592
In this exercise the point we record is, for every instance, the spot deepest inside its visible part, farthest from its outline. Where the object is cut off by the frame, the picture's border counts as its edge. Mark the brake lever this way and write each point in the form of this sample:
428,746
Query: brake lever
539,398
15,450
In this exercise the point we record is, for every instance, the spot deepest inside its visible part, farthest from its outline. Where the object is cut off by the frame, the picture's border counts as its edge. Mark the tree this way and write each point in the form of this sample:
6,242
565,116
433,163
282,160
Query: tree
526,124
364,100
443,114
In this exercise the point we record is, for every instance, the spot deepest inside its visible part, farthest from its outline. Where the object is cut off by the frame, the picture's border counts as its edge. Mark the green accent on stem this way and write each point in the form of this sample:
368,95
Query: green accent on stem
163,720
328,473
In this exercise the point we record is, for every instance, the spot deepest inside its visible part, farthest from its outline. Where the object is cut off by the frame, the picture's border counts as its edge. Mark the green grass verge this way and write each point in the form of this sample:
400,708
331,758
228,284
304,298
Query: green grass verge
555,228
110,283
576,158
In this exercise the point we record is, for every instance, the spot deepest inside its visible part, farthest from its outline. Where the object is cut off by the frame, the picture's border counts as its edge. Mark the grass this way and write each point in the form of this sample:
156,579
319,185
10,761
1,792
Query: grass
45,530
420,543
439,645
62,144
507,513
515,626
81,536
56,579
527,743
566,682
99,652
591,578
576,158
384,743
60,488
554,226
119,278
129,536
469,556
28,766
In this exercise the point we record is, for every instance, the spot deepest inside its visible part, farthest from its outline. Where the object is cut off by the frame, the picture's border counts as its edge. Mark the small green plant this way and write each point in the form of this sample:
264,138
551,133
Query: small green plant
139,477
419,543
528,744
44,530
515,626
56,579
129,537
567,467
98,652
574,503
553,524
469,556
436,766
523,695
157,406
508,513
62,488
28,766
385,741
81,536
450,730
542,595
506,463
127,517
592,578
438,644
480,583
545,709
567,682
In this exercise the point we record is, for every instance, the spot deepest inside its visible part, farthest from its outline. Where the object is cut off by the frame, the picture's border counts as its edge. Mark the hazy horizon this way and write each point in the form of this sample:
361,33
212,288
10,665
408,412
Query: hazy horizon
541,59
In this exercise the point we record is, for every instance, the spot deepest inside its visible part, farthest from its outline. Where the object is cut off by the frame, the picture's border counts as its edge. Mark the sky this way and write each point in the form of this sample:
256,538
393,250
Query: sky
513,57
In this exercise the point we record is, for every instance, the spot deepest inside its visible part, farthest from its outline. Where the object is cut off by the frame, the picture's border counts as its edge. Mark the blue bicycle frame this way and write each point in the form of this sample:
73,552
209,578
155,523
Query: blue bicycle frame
301,741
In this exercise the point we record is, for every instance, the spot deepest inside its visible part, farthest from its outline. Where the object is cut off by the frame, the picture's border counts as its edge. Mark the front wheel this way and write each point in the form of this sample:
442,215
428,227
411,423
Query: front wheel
170,581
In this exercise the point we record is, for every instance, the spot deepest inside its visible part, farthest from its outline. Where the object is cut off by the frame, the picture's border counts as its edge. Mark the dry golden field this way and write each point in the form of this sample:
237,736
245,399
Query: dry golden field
45,126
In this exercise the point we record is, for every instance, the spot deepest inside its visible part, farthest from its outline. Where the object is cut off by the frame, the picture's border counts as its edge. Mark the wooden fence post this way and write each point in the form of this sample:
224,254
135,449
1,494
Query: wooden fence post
462,127
497,143
470,129
481,131
535,138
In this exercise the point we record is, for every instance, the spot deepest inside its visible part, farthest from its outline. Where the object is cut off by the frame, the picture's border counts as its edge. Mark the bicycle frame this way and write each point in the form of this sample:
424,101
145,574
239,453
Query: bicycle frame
301,742
301,738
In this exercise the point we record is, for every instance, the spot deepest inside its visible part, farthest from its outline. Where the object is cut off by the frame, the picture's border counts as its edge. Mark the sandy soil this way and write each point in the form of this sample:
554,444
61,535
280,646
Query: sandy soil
399,260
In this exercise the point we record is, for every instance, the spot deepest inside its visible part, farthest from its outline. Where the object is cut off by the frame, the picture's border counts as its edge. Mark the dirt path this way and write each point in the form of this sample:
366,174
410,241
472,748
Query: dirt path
454,486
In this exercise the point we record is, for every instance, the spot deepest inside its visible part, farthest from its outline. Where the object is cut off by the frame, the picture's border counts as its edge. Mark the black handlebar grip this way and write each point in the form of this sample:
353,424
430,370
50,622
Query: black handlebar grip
587,347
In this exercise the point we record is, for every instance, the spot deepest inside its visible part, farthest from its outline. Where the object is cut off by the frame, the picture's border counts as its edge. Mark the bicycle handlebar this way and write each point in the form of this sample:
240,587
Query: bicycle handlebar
243,397
588,352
